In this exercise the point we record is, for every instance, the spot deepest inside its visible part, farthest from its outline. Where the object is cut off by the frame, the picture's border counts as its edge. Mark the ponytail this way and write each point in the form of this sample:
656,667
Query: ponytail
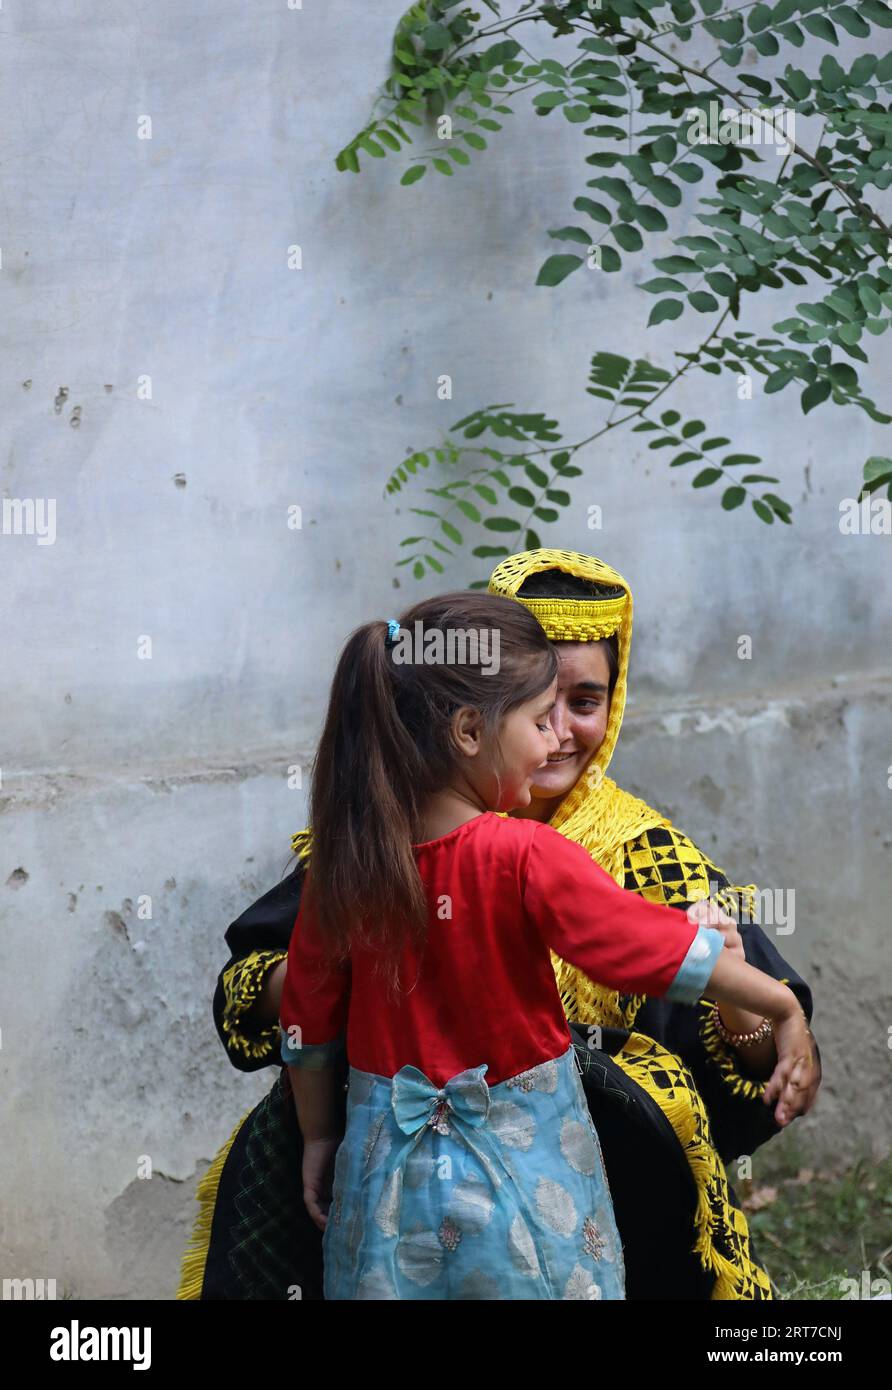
386,747
364,805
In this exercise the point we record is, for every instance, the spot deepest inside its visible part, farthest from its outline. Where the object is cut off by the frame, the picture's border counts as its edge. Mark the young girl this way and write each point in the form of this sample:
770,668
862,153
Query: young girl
470,1168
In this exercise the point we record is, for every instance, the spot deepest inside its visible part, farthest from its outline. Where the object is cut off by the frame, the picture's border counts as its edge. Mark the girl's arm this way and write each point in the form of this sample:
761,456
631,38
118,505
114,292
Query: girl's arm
313,1020
622,940
315,1100
735,981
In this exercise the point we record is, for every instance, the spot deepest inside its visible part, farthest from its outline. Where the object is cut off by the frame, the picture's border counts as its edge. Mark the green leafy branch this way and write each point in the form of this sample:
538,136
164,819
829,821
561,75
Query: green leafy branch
649,107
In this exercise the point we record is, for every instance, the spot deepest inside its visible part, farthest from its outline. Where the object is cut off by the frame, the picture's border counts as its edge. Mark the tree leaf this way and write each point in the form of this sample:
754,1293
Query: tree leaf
778,380
371,146
798,83
546,101
816,393
596,211
675,265
759,18
665,309
557,268
577,234
665,191
821,28
629,237
660,284
851,21
844,376
435,37
877,472
722,284
610,258
347,160
650,218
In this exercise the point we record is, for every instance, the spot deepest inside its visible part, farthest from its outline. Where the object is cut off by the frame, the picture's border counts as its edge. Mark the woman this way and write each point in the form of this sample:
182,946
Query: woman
675,1090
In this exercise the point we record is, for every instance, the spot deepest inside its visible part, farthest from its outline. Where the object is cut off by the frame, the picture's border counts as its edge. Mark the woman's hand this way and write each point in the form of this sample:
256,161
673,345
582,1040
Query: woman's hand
758,1059
317,1173
810,1092
792,1083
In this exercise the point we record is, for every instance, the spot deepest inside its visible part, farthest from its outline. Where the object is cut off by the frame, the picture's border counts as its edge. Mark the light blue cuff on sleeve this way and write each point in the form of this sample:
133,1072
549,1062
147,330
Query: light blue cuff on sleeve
697,966
312,1056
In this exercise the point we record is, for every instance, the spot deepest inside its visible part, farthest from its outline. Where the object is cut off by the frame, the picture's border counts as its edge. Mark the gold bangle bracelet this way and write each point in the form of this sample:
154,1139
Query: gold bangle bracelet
764,1030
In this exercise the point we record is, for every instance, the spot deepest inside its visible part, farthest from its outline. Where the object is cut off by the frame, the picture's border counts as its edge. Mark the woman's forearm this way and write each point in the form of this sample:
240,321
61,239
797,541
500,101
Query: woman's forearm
265,1009
756,1059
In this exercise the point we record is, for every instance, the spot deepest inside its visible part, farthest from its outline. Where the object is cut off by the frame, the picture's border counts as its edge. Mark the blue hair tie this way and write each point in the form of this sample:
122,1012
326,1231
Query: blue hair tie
393,628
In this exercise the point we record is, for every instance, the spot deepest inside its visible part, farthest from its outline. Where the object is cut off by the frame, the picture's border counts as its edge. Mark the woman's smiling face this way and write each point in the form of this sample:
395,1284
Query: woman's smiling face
579,716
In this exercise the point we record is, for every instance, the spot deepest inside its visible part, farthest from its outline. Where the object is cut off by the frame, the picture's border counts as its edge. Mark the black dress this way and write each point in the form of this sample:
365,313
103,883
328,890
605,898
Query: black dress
254,1239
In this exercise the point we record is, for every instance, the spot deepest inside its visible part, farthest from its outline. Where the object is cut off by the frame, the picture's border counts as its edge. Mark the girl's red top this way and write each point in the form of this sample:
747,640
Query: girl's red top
500,893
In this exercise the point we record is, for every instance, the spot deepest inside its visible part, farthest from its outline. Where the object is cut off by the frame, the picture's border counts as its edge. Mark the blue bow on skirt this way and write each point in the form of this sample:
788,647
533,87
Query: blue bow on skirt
469,1191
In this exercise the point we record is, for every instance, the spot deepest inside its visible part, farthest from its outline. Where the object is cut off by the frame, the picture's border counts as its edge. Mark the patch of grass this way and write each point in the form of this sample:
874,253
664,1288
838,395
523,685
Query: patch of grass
815,1227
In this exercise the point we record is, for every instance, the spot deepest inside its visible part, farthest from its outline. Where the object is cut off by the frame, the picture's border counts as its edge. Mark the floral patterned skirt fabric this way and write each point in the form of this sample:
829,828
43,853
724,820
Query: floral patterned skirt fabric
471,1192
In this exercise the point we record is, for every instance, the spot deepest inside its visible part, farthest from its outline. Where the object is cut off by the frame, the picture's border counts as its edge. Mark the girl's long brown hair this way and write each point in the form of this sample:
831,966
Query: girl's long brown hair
386,746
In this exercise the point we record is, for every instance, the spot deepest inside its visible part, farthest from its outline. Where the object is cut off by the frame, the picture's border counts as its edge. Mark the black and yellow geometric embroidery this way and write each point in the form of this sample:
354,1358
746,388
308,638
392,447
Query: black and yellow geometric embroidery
242,984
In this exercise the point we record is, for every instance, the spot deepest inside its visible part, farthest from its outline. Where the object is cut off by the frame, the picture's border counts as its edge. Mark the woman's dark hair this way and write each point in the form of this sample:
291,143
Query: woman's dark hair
387,745
556,583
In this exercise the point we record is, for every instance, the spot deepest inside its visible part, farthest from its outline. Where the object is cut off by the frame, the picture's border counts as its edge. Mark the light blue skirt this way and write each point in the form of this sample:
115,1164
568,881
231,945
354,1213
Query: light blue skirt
471,1192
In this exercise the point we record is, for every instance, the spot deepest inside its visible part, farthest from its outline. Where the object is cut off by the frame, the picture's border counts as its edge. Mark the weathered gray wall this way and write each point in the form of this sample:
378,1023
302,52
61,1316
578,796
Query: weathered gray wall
124,777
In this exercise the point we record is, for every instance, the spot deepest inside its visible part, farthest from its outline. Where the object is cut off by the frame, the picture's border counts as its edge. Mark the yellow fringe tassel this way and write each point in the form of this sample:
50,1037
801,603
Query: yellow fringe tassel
684,1109
195,1258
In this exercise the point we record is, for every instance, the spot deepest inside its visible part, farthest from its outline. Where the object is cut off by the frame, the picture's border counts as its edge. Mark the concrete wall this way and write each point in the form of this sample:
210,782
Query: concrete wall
125,777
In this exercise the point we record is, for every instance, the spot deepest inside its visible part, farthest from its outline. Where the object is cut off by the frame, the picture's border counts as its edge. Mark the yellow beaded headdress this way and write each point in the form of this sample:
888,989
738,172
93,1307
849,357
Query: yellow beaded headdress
577,619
